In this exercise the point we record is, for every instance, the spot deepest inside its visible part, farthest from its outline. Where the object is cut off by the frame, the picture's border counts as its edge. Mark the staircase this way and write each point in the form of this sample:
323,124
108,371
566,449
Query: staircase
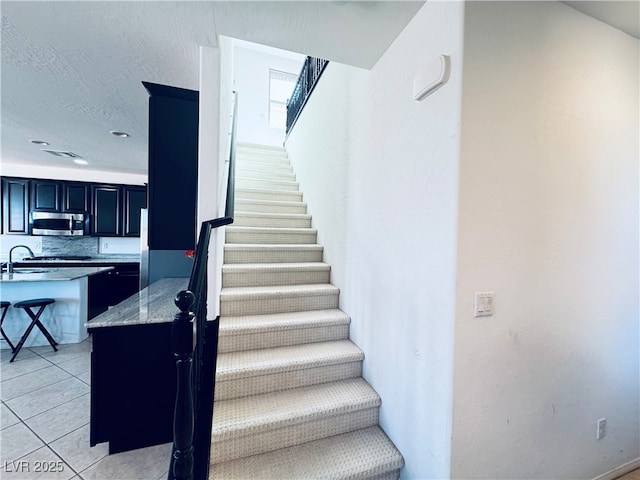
290,400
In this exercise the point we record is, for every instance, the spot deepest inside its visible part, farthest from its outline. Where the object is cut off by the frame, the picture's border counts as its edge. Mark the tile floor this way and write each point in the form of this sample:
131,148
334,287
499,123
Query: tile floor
44,413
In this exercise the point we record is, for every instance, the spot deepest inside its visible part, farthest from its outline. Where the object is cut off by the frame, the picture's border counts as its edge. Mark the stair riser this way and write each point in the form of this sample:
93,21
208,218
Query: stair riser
262,306
270,195
264,167
281,338
266,185
275,382
253,444
278,177
269,238
244,220
264,159
268,279
257,207
270,256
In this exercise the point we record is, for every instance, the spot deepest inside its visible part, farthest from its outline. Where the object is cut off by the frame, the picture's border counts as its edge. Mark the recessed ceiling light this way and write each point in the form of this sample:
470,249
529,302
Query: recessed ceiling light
81,162
39,142
119,134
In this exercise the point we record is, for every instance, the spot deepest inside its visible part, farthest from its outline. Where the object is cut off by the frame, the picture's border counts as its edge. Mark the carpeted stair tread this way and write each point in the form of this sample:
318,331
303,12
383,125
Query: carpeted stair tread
266,361
271,235
244,182
267,194
261,293
358,455
262,219
250,324
253,332
262,205
257,413
272,274
272,253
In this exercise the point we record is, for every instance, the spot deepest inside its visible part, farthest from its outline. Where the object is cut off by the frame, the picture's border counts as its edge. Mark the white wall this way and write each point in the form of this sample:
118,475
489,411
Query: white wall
251,75
379,171
549,221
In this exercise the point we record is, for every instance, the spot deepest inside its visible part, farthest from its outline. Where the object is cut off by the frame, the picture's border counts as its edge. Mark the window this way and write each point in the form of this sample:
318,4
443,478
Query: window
281,85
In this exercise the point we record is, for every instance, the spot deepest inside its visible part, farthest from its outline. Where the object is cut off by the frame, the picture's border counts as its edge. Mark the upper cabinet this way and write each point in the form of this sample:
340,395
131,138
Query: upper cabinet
15,206
113,210
173,167
116,210
76,197
46,195
107,215
135,199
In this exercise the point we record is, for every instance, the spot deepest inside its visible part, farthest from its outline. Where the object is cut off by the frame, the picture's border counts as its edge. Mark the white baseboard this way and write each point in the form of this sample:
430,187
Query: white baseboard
619,471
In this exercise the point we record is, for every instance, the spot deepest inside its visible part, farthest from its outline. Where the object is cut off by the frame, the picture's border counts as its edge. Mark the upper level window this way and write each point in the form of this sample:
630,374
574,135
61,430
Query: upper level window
281,85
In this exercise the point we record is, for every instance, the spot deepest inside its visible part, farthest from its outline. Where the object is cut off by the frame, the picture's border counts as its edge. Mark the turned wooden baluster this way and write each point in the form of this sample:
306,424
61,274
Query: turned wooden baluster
181,467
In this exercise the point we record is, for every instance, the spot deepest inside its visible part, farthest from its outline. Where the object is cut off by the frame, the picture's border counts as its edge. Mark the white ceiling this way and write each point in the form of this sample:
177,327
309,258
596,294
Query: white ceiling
71,71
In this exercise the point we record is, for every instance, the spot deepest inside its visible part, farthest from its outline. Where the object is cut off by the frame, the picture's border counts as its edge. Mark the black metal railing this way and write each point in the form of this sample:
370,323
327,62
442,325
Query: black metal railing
196,367
309,75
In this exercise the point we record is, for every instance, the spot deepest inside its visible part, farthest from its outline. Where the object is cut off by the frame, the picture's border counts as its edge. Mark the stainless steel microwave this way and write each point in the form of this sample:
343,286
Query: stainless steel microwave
48,223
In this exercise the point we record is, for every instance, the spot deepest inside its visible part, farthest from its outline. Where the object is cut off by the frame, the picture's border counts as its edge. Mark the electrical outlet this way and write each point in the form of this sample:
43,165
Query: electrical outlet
601,428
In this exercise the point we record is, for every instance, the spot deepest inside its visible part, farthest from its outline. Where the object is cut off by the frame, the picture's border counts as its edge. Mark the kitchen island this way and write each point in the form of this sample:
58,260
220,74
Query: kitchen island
133,370
65,319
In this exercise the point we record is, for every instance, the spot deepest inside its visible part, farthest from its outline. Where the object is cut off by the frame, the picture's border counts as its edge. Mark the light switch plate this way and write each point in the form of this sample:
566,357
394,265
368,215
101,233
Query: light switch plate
484,305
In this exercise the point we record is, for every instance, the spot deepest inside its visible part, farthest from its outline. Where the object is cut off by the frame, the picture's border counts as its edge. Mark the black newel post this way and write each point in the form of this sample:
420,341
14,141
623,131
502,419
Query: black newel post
181,467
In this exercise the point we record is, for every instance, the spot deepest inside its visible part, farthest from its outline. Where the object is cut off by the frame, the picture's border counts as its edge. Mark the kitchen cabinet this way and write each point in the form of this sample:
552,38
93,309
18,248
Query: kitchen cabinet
116,210
76,197
107,206
15,206
111,210
112,287
173,167
46,195
135,199
133,386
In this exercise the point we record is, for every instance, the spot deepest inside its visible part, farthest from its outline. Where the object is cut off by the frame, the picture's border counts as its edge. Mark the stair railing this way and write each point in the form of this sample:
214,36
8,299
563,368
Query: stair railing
196,367
307,80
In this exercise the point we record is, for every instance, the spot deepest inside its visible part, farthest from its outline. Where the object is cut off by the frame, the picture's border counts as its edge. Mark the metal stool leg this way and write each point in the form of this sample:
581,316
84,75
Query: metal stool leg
35,321
4,335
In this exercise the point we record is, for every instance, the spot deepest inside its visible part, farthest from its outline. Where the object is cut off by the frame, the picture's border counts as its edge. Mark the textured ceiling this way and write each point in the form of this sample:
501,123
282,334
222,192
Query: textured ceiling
71,71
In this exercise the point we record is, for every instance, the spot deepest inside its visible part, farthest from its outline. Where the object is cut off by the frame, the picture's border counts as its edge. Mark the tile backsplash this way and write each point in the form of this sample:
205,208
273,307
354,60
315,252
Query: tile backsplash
90,246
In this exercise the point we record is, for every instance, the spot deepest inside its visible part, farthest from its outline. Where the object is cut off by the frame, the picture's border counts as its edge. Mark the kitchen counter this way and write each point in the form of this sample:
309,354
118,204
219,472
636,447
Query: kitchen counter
152,305
65,319
25,274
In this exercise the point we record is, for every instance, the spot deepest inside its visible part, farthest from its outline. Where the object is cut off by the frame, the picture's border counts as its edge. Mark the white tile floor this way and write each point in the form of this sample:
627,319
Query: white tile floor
44,413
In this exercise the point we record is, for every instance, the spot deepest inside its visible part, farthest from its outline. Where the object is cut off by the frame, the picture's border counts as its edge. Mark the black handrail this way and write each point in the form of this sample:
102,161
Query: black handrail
196,367
309,74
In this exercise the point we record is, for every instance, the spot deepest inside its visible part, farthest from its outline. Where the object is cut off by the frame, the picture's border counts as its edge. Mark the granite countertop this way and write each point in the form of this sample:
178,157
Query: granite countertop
50,274
153,304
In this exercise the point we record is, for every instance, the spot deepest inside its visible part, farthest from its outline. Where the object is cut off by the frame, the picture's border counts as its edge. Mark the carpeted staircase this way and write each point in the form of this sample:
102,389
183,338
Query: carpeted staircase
290,400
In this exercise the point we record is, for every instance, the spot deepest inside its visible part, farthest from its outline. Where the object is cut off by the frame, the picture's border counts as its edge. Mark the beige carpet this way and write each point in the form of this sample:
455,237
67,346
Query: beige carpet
290,398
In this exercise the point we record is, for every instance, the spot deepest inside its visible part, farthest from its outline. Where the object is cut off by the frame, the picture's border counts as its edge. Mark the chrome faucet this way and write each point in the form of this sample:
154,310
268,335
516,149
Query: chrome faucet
10,264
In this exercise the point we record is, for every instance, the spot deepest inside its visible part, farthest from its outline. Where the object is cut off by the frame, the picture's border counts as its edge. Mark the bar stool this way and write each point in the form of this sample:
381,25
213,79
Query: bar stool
27,305
5,306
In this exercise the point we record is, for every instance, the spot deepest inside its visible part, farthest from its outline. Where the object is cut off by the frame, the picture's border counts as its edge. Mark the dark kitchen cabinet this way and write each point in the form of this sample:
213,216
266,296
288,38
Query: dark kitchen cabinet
76,197
46,195
173,167
135,199
107,206
15,206
110,288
